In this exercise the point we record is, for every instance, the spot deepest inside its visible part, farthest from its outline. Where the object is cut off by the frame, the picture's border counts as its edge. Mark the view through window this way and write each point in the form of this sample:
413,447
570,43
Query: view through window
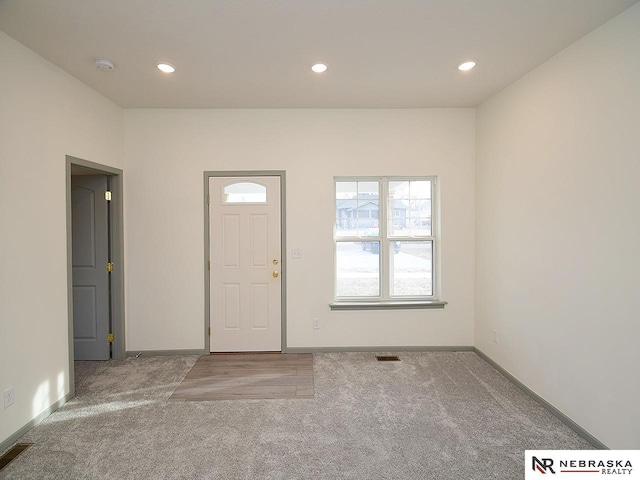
384,238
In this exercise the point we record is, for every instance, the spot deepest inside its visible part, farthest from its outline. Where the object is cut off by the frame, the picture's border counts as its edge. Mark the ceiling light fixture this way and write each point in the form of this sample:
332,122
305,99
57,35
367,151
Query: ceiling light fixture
319,67
104,64
466,66
166,68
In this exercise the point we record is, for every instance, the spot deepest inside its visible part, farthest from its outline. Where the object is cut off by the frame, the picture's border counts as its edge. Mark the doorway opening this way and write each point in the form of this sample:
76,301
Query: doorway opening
95,262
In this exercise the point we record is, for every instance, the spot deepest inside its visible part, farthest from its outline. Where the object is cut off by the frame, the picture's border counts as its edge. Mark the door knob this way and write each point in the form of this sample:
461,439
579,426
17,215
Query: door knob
275,273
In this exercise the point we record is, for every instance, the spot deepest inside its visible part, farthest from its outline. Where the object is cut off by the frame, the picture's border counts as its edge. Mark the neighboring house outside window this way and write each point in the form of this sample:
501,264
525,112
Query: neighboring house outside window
385,239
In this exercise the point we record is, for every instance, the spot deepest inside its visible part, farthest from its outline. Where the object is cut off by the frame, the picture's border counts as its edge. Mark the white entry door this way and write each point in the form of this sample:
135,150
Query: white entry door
245,296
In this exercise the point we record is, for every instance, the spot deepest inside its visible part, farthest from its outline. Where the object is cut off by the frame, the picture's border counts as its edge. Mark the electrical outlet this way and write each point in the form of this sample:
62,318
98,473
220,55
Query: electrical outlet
316,323
495,336
296,253
9,397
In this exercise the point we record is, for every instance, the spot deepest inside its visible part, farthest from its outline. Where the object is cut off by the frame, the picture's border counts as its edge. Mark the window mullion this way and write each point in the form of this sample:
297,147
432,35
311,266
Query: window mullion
384,240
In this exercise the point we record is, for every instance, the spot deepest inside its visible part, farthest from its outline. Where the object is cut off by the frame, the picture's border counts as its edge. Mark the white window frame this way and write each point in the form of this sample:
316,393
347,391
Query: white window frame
385,300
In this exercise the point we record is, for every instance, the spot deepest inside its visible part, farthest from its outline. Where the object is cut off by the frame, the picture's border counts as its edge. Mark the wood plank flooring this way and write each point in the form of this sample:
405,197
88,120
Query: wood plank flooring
248,376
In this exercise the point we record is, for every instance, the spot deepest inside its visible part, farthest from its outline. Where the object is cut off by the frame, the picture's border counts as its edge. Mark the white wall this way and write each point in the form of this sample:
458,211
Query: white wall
555,259
44,115
558,231
167,152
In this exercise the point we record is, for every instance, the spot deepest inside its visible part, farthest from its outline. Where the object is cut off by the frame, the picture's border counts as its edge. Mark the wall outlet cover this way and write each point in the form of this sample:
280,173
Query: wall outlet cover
9,397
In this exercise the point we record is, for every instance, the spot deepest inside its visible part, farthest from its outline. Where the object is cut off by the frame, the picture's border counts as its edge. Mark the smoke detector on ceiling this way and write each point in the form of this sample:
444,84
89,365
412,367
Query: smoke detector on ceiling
104,64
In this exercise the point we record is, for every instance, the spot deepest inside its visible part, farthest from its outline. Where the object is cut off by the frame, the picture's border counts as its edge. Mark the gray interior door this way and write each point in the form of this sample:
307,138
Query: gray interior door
90,277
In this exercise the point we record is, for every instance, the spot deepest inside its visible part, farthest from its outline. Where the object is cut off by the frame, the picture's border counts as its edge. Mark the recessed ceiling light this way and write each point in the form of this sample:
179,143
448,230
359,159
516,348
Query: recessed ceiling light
466,66
166,68
319,67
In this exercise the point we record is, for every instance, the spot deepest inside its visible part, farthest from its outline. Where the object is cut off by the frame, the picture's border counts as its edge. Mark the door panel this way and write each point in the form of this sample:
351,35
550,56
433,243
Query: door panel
259,306
83,200
231,306
259,241
245,306
89,223
231,241
84,307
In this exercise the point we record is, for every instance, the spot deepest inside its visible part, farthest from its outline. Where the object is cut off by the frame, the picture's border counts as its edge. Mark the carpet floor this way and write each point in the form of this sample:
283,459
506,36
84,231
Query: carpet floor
433,415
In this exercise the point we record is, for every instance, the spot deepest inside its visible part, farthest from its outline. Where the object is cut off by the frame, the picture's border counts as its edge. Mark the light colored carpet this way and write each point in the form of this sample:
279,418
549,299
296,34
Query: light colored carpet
435,415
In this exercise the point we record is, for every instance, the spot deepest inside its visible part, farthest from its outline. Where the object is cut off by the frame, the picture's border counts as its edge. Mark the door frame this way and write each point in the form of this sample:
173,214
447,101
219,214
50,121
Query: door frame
117,256
283,249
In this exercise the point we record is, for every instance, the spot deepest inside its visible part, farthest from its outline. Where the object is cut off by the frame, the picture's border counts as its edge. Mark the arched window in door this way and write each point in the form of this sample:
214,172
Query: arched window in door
245,192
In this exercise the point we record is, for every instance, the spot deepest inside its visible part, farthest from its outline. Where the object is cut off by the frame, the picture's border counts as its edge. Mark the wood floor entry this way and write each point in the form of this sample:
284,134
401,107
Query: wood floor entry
247,377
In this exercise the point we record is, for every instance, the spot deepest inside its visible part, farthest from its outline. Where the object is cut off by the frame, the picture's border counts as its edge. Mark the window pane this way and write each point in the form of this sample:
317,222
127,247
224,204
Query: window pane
409,208
411,267
358,269
357,209
245,192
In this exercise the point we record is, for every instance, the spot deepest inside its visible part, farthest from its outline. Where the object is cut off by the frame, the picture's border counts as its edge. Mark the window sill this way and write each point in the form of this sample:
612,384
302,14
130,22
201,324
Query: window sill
391,305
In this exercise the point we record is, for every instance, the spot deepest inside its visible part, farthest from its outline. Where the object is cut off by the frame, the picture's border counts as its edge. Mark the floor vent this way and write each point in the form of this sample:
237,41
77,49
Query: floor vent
11,454
387,358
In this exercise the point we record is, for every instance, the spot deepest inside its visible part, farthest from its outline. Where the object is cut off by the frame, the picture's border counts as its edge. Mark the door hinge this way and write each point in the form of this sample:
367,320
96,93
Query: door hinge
209,199
110,338
209,331
109,267
107,196
209,265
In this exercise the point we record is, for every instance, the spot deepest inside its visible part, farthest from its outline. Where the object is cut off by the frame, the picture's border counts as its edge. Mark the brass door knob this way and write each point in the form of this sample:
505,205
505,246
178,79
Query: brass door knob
275,273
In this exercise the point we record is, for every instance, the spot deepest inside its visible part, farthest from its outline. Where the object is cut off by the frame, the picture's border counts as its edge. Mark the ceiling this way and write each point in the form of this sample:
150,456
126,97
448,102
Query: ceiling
258,53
